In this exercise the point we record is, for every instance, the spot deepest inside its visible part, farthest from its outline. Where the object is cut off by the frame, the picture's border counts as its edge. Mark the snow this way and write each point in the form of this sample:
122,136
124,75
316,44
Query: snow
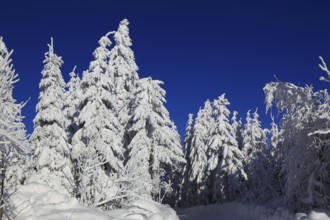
36,201
145,209
315,214
318,214
234,211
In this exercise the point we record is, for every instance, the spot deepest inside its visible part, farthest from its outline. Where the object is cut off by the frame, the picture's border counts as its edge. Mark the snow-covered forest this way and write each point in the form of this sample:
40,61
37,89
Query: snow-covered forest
104,141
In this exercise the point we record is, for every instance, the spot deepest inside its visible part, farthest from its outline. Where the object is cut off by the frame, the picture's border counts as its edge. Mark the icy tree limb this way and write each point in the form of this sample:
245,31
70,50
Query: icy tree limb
320,132
324,67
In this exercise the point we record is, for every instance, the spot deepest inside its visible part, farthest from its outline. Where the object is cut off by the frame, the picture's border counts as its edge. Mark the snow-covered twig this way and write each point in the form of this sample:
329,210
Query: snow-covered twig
320,132
324,67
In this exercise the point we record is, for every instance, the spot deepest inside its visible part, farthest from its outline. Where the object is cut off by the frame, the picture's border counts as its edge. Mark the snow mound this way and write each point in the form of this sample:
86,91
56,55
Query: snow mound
144,209
36,201
235,211
315,214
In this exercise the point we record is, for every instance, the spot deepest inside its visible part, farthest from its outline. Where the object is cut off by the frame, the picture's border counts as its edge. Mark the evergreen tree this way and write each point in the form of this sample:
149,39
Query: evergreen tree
97,144
225,166
12,129
51,152
122,61
195,189
237,129
256,158
188,136
187,148
123,70
72,104
13,143
155,137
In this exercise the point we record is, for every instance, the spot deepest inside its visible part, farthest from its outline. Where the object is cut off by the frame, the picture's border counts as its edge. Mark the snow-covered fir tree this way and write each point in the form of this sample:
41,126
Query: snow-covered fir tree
50,149
187,148
97,144
155,144
195,190
123,69
237,129
72,104
13,143
226,175
122,60
188,136
256,158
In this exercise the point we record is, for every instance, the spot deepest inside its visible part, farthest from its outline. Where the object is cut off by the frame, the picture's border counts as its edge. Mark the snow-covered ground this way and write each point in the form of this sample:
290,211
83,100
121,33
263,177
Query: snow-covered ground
240,211
145,209
234,211
36,201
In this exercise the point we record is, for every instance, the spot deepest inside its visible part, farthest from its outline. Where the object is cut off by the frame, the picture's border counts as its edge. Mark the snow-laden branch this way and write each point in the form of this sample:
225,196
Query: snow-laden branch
324,67
319,132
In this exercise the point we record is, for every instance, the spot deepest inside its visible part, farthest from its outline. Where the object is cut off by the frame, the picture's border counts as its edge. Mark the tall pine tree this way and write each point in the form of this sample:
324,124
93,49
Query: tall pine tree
187,148
97,144
51,152
123,70
13,143
154,134
195,188
256,158
72,103
226,175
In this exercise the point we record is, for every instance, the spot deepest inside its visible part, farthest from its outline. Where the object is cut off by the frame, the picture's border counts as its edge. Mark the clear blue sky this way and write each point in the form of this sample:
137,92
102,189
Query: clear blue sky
200,49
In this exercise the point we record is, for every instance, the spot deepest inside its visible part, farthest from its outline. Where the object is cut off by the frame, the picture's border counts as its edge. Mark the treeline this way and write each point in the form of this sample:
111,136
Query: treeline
228,160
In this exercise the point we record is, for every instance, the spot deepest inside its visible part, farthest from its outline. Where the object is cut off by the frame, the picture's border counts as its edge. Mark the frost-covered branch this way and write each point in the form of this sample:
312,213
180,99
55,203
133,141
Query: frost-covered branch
324,67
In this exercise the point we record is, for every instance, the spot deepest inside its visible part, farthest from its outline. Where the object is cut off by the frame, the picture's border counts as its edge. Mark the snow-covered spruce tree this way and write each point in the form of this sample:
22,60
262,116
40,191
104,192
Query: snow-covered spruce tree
97,144
195,190
122,60
188,136
155,144
187,149
237,129
13,143
123,70
71,105
50,149
226,175
256,159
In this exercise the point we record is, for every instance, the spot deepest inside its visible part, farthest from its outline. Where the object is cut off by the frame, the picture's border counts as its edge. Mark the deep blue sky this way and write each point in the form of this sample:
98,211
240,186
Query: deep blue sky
200,49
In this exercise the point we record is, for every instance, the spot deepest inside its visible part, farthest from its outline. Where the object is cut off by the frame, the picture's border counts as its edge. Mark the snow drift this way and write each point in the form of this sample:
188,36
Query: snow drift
36,201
